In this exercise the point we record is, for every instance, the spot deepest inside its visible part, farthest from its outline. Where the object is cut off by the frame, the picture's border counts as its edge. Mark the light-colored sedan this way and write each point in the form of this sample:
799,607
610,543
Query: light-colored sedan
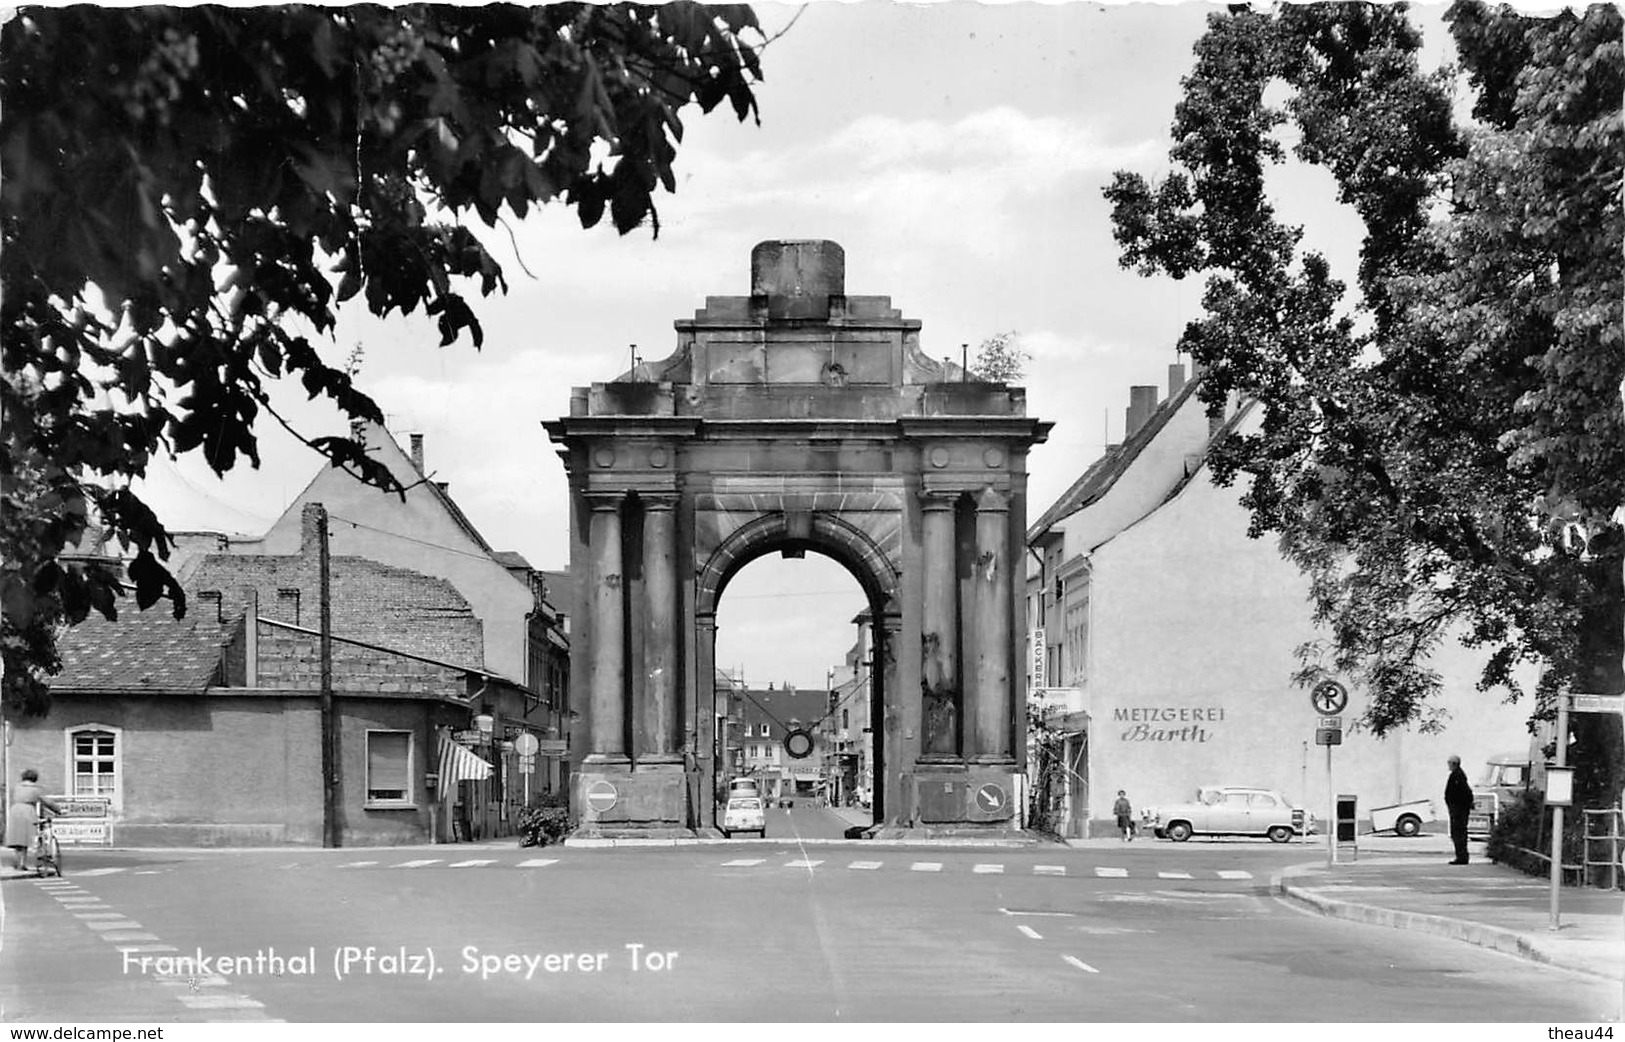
744,814
1232,811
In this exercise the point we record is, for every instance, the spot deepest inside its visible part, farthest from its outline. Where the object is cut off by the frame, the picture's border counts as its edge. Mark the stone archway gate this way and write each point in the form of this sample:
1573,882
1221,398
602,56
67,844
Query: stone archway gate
797,418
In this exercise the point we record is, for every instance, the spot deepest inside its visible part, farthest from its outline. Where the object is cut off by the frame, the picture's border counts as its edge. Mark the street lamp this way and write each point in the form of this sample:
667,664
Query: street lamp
485,723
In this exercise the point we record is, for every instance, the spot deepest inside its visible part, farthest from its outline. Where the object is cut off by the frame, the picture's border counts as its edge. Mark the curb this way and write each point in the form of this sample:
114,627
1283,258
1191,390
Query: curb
1497,938
779,841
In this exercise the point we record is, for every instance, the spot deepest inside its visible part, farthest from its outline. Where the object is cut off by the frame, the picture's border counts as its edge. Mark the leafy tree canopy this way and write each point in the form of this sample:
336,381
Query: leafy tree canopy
1441,448
190,193
1000,358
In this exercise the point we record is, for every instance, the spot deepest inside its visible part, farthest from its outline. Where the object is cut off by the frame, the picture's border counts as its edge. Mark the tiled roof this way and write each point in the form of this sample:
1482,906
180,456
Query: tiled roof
143,652
1104,472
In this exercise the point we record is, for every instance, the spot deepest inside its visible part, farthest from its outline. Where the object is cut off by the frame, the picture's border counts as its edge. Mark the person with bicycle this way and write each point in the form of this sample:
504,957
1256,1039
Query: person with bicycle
22,816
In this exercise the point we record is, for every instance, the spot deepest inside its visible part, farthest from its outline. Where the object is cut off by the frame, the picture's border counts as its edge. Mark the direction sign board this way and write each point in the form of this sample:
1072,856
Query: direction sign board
527,765
1329,697
552,746
1328,736
1334,722
1596,703
601,796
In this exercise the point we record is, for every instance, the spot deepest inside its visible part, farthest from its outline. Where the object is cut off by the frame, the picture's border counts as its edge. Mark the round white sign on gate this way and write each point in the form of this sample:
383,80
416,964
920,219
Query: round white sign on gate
526,744
601,796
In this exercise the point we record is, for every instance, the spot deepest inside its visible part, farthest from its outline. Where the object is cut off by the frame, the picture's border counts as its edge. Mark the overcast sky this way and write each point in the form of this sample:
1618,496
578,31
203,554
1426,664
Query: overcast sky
956,151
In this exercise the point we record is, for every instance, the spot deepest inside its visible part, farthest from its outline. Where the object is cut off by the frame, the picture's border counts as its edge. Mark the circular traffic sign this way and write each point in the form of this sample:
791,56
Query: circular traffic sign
526,744
601,796
990,797
1329,697
799,744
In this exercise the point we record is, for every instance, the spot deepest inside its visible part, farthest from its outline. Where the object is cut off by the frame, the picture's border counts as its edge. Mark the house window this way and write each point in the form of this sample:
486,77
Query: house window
750,730
389,767
94,754
844,724
764,731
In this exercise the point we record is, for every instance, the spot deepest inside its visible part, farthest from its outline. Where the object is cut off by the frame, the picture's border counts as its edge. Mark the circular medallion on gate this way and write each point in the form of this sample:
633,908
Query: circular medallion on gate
939,457
799,744
993,457
601,796
604,457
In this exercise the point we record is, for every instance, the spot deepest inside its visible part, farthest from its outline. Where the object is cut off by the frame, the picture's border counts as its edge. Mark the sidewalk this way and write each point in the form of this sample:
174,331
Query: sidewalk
1481,903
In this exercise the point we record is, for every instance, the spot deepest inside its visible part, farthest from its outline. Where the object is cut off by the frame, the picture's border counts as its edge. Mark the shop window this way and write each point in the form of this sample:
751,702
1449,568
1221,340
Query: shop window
389,768
94,752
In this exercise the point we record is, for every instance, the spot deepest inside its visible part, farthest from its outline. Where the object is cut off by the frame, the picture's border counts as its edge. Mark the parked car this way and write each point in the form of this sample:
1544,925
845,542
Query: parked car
1225,810
1403,819
744,814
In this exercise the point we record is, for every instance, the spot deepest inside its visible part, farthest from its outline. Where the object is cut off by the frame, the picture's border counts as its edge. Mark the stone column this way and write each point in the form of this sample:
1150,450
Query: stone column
990,712
705,709
939,630
608,738
889,760
661,685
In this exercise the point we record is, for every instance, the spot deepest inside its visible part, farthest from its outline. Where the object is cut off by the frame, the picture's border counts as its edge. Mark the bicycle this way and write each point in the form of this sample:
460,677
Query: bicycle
46,850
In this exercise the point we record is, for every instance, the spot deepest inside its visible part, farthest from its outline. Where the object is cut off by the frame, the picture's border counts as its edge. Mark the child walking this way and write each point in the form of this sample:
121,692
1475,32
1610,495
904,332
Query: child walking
1125,816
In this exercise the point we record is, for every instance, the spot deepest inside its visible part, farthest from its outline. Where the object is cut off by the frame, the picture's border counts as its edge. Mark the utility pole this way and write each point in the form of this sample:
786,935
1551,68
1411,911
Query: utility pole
331,835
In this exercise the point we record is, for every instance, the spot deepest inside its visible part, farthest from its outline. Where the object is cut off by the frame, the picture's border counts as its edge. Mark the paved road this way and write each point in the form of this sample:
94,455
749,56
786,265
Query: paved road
867,932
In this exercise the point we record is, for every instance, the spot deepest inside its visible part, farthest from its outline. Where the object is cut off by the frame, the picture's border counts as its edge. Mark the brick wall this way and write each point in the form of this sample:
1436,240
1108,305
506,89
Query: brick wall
291,661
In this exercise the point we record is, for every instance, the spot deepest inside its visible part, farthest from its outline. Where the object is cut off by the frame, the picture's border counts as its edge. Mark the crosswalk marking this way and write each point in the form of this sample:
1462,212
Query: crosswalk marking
802,864
539,862
988,869
743,862
357,864
1029,931
1049,870
206,1001
1112,873
1234,873
864,866
141,949
926,866
1080,964
120,923
420,862
98,915
475,863
1173,875
97,872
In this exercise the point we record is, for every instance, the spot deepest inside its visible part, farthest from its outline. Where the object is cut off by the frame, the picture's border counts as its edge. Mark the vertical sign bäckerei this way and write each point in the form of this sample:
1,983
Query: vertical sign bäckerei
1035,640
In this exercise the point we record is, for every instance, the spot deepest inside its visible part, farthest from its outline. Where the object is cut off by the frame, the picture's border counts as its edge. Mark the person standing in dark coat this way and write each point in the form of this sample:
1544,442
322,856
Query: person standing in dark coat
1458,800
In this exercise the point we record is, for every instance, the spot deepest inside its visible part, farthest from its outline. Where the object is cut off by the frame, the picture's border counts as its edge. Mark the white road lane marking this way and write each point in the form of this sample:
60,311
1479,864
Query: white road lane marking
1234,873
474,863
1049,870
129,935
1029,931
145,949
743,862
204,1001
420,862
926,866
539,862
802,864
865,866
1056,915
1173,875
98,915
988,869
1080,964
87,873
1111,873
358,864
120,923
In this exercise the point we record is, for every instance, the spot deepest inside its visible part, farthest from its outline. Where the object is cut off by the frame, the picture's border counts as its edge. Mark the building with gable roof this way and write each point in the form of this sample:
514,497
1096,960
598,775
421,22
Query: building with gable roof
1165,641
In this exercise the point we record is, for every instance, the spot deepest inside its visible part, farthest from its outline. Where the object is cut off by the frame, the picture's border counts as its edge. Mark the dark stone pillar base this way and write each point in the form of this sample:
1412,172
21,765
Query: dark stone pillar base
980,798
650,801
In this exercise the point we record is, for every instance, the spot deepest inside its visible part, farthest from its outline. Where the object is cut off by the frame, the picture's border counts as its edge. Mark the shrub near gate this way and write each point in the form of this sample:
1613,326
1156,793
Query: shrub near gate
546,820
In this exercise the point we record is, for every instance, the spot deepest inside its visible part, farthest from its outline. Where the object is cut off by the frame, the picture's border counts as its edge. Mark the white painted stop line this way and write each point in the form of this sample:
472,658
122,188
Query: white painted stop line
1080,964
1049,870
476,863
1173,875
864,866
1111,873
988,869
1234,873
420,863
743,862
926,866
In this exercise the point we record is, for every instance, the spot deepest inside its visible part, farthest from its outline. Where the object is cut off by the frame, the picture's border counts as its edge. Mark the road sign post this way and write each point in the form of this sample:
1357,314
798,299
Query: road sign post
1329,698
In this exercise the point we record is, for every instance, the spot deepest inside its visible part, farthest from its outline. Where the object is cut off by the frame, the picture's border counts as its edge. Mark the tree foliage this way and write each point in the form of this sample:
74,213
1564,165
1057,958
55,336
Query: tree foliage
191,192
1441,448
1000,358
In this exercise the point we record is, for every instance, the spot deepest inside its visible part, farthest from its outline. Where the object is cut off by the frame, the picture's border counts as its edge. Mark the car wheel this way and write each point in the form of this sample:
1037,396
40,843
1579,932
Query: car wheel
1409,825
1280,833
1179,832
